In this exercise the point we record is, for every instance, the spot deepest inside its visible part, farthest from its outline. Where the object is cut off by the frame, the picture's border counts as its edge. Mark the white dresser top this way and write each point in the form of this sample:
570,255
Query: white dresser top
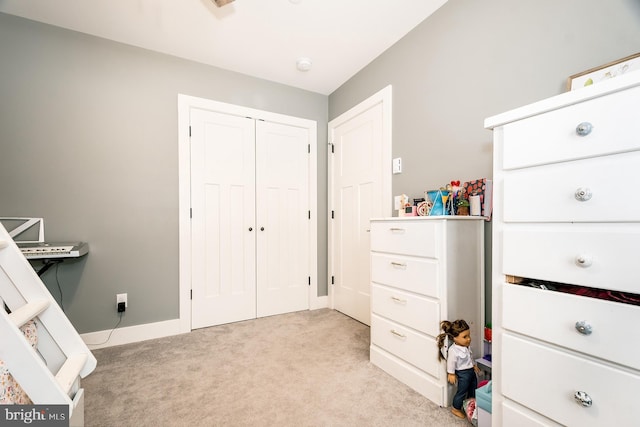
617,84
430,218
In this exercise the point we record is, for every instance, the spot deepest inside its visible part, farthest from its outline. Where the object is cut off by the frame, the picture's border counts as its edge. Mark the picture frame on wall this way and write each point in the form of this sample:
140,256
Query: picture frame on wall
604,72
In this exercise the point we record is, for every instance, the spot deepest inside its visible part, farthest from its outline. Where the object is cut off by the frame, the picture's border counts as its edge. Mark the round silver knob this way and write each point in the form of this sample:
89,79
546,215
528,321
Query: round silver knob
584,129
584,261
583,398
583,327
583,194
250,228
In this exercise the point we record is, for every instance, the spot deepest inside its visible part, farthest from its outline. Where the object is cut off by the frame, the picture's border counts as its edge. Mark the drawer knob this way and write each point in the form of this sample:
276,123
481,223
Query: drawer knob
583,327
584,129
584,261
583,398
583,194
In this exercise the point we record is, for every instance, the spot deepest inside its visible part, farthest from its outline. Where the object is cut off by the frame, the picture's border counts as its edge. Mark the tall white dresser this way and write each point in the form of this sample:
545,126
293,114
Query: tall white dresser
567,212
424,270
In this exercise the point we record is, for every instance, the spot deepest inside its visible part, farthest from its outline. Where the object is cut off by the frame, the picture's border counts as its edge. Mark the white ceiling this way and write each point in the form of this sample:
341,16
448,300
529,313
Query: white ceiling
261,38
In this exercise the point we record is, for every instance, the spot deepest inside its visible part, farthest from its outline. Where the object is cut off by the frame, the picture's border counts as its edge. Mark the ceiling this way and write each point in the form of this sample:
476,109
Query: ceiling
261,38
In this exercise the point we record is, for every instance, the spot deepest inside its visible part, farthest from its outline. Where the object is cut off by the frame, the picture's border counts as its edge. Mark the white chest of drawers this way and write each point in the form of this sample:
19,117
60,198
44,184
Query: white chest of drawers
424,270
563,172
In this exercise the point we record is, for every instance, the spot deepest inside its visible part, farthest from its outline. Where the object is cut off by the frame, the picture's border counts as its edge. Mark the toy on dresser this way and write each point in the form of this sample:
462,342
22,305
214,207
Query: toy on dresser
461,367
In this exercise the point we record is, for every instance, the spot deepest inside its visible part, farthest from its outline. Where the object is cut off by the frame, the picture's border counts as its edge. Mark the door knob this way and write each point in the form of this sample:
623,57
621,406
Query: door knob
250,228
261,228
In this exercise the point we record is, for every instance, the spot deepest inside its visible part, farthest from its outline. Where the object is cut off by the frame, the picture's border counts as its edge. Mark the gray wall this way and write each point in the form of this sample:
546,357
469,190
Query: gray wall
474,59
88,140
88,127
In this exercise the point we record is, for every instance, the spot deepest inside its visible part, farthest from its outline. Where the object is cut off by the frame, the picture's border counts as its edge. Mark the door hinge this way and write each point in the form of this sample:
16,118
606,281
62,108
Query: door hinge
333,280
191,295
189,131
190,212
333,148
309,148
309,280
309,214
333,214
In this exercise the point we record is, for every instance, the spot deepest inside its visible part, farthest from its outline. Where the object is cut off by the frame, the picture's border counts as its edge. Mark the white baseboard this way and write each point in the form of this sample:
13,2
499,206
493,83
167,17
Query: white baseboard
148,331
119,336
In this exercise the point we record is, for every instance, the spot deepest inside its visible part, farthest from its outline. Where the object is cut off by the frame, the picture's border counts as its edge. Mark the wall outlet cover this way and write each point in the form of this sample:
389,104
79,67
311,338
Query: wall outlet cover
122,298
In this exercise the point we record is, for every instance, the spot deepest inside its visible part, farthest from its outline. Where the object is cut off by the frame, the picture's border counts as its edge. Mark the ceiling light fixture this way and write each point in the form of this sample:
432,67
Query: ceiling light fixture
304,63
220,3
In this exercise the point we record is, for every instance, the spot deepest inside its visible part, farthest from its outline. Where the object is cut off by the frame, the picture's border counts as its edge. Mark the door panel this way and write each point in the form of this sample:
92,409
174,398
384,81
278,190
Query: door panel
223,209
357,189
282,165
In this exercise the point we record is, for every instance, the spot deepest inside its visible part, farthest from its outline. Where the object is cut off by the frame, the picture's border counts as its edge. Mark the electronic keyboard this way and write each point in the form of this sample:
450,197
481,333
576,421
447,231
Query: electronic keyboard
44,250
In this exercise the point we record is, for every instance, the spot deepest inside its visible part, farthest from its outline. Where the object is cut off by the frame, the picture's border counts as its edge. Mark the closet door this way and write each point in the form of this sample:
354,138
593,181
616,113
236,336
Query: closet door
282,218
223,218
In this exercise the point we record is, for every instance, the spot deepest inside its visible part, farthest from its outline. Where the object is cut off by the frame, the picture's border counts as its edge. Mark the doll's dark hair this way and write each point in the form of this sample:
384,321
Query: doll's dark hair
451,330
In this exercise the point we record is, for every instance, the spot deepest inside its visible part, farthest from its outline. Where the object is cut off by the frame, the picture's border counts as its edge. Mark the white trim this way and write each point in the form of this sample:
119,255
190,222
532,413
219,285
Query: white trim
185,104
384,97
319,302
130,334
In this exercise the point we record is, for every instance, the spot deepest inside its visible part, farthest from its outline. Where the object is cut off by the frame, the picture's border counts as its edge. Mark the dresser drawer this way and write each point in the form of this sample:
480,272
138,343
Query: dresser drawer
417,349
552,317
407,237
552,137
548,193
514,415
545,380
418,275
417,312
554,253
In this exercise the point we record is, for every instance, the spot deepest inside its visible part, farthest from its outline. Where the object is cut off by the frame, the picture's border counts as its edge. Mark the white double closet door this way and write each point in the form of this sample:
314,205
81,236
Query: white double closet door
250,218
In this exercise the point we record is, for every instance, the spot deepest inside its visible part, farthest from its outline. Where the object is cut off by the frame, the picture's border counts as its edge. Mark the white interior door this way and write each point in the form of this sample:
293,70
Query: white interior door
360,190
223,218
282,218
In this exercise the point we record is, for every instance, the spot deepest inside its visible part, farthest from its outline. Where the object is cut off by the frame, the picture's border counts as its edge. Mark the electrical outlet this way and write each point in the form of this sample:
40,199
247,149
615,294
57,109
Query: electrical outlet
121,298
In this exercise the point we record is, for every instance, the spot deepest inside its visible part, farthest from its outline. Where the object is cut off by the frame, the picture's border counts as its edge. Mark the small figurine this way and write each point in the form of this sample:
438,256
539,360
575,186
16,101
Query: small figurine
461,367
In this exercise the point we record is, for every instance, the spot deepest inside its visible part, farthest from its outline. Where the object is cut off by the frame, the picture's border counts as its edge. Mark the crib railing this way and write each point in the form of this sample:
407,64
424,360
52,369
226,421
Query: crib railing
49,374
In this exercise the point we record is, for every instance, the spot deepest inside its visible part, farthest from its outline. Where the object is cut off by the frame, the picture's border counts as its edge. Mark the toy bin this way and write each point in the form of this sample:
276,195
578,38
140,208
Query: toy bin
483,404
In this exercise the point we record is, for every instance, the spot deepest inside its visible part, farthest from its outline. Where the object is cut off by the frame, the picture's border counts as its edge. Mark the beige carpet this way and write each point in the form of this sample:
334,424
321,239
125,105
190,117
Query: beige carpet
308,368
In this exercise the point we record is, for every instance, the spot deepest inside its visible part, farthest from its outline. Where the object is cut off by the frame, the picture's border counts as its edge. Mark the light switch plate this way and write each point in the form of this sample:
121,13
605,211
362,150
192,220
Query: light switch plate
397,165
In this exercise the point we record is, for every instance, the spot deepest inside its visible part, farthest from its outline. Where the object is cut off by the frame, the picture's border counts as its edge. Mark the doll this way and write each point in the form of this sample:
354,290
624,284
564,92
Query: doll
461,367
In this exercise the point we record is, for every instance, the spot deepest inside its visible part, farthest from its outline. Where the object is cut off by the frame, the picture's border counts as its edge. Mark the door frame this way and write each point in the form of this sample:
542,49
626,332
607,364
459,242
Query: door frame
185,104
384,97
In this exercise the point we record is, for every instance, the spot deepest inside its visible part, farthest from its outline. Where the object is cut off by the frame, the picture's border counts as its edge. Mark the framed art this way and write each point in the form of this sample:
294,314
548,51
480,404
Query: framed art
604,72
